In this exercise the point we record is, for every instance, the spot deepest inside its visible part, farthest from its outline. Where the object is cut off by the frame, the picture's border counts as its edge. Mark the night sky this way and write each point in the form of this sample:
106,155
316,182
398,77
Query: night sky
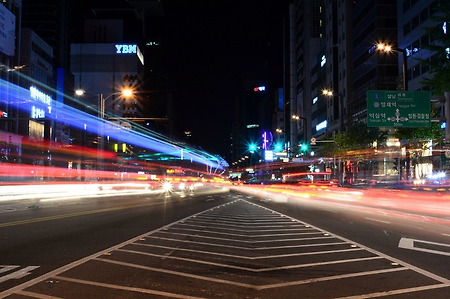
209,45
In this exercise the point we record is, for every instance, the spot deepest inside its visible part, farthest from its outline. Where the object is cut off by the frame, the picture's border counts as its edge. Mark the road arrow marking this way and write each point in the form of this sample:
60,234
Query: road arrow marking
17,274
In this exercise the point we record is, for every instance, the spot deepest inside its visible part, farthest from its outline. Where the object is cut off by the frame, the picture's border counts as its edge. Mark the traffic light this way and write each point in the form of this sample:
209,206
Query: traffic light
304,147
252,147
278,147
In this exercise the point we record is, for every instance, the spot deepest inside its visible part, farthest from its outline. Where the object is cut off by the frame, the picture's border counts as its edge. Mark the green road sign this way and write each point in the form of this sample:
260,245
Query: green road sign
398,108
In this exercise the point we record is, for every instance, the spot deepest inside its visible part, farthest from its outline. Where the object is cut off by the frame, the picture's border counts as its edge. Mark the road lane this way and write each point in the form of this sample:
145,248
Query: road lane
237,249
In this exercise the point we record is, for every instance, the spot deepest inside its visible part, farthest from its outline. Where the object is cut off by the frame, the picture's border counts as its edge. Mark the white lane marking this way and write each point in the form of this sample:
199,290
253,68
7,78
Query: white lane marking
175,273
300,229
18,274
377,220
241,247
130,289
328,278
441,279
36,295
6,268
397,292
412,244
221,225
239,257
74,264
243,241
246,235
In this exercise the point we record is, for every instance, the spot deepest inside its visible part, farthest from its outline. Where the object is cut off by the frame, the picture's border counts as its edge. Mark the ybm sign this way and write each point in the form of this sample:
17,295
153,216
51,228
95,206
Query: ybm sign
397,108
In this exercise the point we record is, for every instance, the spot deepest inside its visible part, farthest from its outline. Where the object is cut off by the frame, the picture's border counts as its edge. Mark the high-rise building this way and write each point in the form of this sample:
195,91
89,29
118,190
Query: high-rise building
51,20
307,63
413,19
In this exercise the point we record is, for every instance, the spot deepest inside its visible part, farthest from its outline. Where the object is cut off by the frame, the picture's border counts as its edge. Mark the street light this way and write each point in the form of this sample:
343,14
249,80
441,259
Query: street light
126,93
330,93
389,49
305,131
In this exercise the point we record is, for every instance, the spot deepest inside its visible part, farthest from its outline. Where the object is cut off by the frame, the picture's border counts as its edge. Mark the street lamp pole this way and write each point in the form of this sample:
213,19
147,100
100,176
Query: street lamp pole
340,96
389,49
305,129
102,103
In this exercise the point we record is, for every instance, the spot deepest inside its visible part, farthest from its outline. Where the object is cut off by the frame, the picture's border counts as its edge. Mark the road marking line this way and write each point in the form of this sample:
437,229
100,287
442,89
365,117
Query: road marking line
75,214
130,289
377,220
36,295
241,241
259,270
328,278
387,257
397,292
243,230
6,268
407,243
246,235
236,256
176,273
241,247
18,274
287,225
74,264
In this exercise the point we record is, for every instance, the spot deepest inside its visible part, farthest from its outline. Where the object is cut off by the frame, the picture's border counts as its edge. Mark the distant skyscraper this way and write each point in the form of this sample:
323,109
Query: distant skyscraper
413,17
51,20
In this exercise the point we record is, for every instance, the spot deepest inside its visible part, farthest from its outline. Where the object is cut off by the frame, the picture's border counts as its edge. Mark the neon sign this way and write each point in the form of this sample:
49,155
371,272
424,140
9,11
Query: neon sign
126,49
130,49
267,139
36,94
321,125
37,112
323,61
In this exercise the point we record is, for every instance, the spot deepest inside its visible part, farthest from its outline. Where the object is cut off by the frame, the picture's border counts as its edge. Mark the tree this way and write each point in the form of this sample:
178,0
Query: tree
439,64
357,137
411,135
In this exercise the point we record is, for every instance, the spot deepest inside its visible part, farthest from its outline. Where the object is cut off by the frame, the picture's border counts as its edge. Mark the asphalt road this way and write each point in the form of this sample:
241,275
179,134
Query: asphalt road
217,244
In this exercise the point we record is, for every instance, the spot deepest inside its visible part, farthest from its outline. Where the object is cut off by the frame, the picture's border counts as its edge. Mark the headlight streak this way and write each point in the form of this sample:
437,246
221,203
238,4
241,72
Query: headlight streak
404,203
18,97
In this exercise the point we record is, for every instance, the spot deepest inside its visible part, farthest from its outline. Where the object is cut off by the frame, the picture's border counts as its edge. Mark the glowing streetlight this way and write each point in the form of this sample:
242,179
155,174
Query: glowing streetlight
330,93
389,49
327,92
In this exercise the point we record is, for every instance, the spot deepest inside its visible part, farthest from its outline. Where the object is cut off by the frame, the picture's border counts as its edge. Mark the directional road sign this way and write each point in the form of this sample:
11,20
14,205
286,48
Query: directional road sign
398,108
